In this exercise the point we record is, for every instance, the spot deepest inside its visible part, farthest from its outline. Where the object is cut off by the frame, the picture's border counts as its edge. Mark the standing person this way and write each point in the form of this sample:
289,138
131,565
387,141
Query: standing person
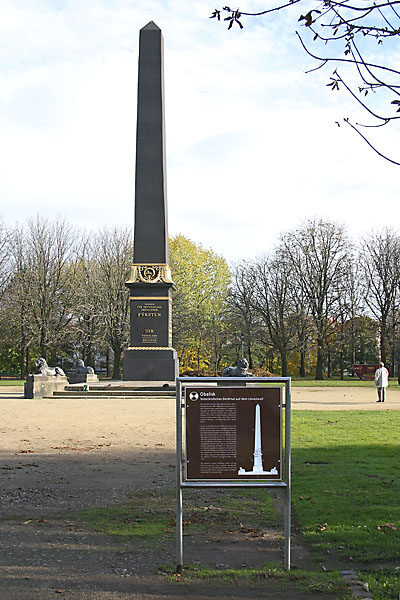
381,381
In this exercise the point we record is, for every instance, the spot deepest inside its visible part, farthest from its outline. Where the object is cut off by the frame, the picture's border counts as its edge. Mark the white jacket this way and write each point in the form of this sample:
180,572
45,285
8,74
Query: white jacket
381,377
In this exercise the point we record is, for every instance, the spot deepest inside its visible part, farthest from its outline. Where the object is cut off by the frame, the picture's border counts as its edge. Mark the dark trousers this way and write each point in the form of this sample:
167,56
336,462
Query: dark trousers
381,394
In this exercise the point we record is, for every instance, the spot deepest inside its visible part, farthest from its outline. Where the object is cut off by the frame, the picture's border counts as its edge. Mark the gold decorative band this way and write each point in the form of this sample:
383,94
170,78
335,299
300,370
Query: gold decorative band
150,298
152,348
150,273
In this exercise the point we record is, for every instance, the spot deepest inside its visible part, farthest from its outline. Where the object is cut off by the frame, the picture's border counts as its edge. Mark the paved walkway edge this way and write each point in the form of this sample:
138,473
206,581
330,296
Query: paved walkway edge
358,588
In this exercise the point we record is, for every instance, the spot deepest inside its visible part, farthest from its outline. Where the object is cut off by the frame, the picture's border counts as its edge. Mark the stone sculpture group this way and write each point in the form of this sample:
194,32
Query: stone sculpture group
47,380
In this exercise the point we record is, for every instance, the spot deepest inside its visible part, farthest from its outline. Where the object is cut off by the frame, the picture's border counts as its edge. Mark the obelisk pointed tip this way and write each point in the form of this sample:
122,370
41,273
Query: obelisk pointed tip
150,26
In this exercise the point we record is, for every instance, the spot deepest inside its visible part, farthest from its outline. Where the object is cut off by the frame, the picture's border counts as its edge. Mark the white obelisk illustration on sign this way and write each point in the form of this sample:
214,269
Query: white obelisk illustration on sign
258,464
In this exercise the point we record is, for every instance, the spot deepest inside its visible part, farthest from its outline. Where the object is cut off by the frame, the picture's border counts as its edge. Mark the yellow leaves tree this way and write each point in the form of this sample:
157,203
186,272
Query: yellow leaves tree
200,325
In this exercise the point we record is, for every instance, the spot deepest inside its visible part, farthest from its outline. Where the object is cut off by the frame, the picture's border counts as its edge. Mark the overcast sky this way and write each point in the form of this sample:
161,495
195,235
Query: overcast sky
252,144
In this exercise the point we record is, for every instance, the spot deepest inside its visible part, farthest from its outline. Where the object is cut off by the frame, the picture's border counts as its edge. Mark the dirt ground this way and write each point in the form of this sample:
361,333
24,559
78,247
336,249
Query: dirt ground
57,455
331,398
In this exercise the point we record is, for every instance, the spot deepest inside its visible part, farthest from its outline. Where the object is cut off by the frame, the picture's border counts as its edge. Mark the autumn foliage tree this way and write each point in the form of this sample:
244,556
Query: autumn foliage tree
199,304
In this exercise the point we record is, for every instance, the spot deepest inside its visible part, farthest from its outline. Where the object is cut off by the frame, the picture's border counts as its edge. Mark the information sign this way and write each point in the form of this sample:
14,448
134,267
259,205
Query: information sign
233,433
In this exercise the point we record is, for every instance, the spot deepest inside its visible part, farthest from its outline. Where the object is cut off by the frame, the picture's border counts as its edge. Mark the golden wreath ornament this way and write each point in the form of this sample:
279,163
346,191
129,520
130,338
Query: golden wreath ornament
150,273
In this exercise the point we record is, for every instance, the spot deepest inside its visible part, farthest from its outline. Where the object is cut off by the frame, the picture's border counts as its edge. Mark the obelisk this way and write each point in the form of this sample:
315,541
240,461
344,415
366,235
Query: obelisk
257,465
258,468
150,356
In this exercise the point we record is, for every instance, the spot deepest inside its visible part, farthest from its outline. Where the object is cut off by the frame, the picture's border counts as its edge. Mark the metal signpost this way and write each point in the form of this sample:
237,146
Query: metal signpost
230,435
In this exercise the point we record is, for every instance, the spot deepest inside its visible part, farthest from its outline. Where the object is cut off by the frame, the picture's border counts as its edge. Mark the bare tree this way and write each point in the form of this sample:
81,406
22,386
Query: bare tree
304,325
272,280
112,253
317,252
12,312
5,270
245,318
393,337
44,286
348,305
380,258
88,330
358,38
17,304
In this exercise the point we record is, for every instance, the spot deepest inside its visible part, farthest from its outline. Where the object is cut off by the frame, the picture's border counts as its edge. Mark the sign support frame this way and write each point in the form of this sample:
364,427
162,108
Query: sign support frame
181,383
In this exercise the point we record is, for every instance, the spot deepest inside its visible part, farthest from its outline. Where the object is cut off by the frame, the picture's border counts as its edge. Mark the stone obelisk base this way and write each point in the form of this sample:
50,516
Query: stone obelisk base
150,365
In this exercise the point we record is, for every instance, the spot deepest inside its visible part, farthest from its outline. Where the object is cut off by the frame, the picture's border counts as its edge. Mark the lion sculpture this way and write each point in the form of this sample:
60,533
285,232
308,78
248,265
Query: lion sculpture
82,369
42,368
241,369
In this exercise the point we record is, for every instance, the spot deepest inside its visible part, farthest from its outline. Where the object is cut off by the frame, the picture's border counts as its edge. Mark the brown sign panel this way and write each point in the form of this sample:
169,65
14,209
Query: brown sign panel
233,433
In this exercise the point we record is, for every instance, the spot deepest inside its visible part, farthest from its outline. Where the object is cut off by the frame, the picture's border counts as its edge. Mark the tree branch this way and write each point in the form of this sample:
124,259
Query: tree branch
369,143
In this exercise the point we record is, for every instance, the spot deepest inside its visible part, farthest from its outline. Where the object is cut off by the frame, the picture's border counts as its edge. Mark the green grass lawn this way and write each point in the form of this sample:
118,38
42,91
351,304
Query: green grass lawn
151,516
7,382
384,583
346,482
346,488
304,581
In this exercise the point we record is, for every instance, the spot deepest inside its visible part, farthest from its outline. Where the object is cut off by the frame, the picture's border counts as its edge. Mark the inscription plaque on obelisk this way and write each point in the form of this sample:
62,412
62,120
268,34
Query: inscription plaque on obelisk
150,356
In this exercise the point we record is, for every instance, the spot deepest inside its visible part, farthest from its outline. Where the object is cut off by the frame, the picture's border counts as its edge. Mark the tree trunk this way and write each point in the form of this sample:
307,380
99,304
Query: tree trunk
319,369
22,347
117,363
108,362
341,365
392,362
329,363
250,355
284,369
43,343
198,358
88,355
22,361
383,340
302,363
182,354
393,345
90,358
217,364
27,363
354,361
271,364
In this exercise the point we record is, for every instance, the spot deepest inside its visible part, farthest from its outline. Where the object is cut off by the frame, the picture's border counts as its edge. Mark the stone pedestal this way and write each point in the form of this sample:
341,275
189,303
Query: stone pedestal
150,356
42,386
150,365
82,378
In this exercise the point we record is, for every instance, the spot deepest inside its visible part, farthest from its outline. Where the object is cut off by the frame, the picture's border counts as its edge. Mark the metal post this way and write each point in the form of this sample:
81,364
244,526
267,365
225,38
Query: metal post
287,525
179,502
